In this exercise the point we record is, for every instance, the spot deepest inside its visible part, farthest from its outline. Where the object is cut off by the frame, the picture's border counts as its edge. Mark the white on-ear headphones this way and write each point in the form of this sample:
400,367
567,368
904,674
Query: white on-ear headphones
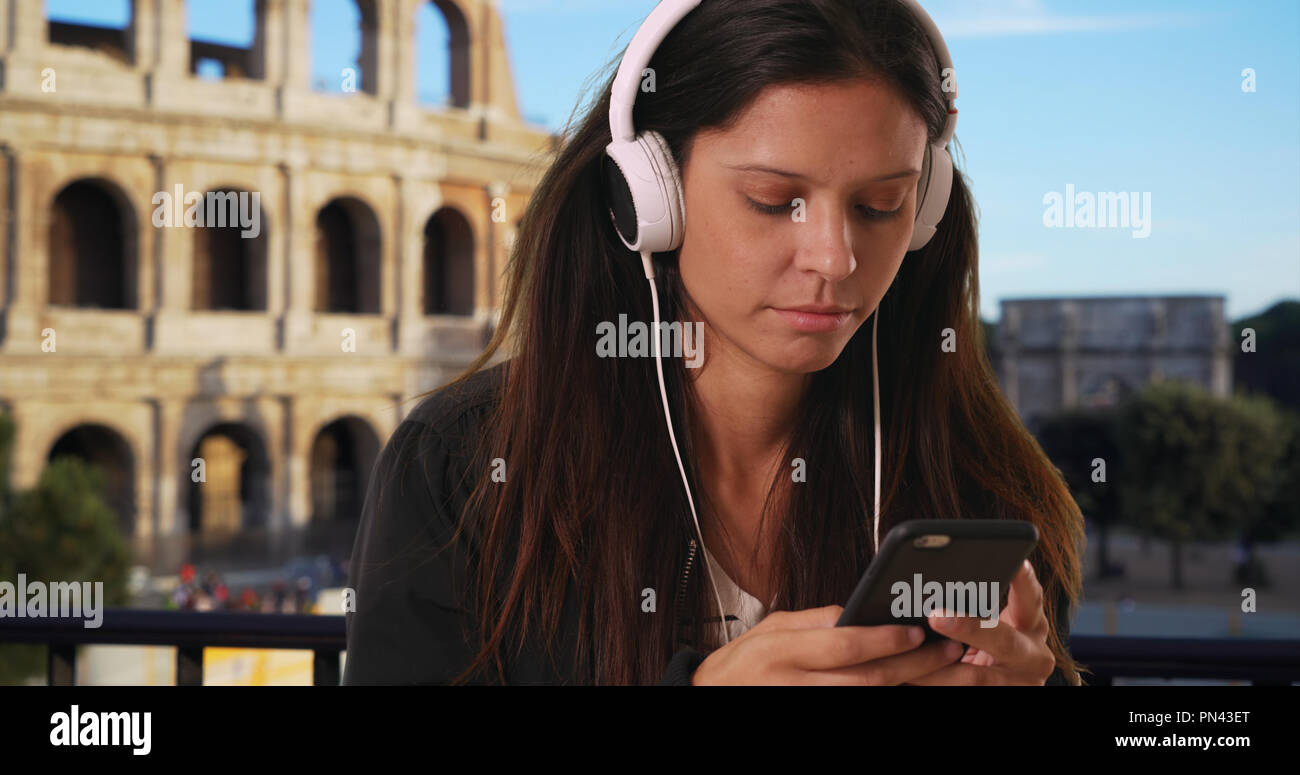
644,188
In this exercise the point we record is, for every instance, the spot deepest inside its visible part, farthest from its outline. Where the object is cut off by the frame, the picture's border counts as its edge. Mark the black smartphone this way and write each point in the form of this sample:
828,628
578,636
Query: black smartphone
965,564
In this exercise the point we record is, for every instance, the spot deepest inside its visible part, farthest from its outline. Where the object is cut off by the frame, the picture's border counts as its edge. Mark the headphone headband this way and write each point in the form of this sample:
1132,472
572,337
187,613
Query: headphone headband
666,16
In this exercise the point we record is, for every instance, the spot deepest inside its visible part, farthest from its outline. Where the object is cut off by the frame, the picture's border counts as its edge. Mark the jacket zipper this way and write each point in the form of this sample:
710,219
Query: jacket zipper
681,587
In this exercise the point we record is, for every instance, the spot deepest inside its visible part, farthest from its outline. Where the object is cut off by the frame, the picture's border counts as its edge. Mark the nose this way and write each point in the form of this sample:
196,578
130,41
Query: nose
826,244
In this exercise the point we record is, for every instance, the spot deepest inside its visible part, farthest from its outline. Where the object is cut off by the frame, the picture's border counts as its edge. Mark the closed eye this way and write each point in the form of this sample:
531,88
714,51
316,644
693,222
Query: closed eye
868,213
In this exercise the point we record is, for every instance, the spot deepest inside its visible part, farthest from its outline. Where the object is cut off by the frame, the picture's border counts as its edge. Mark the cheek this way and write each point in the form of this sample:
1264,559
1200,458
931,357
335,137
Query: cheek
723,265
720,275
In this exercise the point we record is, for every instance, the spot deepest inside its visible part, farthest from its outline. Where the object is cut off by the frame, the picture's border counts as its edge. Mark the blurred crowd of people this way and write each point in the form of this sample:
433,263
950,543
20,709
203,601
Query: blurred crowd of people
213,594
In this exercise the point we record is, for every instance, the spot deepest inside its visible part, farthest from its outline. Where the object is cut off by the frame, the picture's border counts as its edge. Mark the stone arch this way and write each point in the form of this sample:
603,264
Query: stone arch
108,450
93,246
340,459
448,264
358,21
343,452
104,27
453,27
234,493
229,270
214,53
348,257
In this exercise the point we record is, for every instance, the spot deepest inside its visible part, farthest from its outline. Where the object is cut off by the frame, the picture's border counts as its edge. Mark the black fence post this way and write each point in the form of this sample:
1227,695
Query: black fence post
325,667
61,667
189,666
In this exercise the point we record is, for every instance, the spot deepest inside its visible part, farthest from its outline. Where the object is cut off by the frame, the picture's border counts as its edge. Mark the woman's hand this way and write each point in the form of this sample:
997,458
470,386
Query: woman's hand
1013,652
805,647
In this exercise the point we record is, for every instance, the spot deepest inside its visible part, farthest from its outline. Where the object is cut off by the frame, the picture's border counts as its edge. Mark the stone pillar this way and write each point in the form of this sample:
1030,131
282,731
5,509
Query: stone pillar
173,41
27,279
22,33
399,68
4,25
297,455
299,253
142,36
172,261
285,36
390,261
7,256
410,269
170,543
26,22
169,69
297,46
385,53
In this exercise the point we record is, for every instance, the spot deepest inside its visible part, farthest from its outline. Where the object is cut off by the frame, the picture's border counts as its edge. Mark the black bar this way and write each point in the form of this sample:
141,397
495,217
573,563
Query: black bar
228,629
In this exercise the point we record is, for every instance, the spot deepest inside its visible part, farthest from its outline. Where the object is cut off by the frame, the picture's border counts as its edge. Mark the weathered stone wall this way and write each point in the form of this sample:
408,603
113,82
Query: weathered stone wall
160,374
1053,354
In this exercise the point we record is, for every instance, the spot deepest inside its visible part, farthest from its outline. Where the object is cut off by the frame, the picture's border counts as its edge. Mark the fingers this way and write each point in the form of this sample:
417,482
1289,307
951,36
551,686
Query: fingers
1020,626
829,648
891,671
1025,600
1002,641
962,674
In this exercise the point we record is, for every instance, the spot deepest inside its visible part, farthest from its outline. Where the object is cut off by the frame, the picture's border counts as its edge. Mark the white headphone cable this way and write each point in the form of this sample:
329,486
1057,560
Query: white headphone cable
663,394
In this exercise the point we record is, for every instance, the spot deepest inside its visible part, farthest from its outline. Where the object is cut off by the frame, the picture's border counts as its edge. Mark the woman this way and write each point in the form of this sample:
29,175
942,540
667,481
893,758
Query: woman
525,524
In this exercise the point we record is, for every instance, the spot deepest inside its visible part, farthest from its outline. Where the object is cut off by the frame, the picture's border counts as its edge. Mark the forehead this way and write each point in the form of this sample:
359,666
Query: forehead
862,125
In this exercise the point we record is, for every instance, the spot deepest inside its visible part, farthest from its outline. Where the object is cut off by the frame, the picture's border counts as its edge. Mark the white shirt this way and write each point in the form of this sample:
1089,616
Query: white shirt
747,609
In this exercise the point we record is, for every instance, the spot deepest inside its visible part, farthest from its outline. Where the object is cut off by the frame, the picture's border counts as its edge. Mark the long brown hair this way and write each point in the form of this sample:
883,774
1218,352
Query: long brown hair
593,497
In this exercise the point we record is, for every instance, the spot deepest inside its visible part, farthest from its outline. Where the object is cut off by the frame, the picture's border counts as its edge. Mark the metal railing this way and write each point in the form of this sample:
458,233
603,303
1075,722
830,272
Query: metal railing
190,632
1108,657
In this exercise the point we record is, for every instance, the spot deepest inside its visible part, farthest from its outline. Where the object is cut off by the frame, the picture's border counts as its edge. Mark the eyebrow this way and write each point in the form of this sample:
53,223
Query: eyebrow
797,176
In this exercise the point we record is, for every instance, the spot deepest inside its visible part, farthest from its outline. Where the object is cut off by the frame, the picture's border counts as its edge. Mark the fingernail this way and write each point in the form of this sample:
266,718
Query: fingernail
954,649
915,634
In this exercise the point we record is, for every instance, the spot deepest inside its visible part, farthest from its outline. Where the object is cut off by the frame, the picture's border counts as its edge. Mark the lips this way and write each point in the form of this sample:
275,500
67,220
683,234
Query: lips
814,318
817,309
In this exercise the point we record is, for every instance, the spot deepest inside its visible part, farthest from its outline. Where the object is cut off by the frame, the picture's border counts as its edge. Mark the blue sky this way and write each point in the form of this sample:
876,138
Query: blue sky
1103,96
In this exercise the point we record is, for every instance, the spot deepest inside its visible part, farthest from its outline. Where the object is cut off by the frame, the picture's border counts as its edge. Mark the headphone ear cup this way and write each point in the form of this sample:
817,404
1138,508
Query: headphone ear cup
676,198
932,195
618,196
644,190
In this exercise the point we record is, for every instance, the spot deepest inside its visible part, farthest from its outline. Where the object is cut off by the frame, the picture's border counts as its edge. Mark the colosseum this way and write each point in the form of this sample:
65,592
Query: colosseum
237,383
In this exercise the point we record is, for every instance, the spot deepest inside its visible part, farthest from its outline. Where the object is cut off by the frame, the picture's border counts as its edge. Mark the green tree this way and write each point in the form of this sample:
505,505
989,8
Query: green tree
60,530
1197,467
1082,444
1281,513
1273,367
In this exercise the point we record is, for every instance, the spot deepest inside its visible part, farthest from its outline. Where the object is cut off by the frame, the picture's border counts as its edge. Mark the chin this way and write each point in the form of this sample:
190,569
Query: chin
810,354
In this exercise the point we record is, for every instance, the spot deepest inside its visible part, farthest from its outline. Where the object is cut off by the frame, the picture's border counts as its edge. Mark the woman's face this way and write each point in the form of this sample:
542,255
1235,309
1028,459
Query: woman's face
830,162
